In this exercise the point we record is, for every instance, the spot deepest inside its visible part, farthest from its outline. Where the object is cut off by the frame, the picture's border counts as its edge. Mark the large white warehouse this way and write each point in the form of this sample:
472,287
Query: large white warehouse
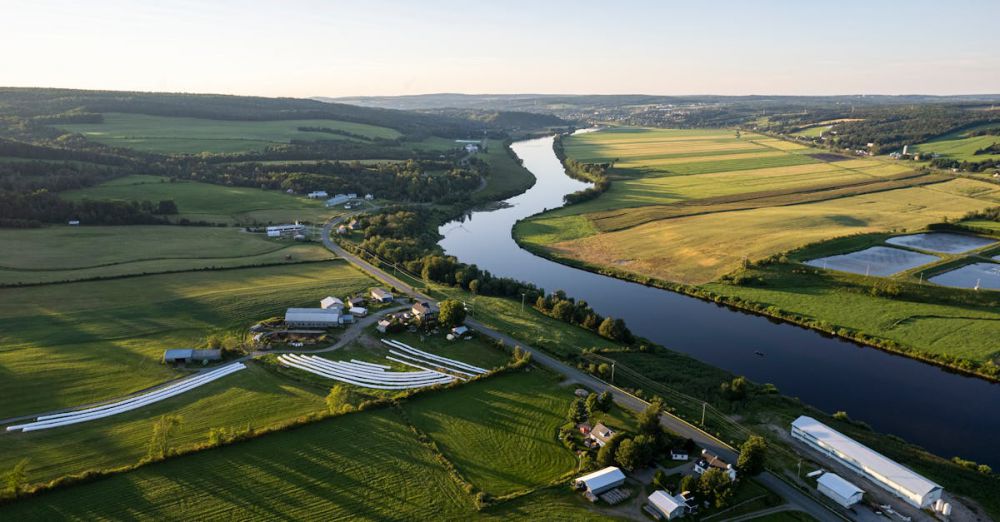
312,318
894,477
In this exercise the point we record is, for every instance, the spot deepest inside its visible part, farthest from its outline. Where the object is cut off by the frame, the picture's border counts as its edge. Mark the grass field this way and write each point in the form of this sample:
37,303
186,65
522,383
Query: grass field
208,202
327,471
960,146
501,432
506,177
193,135
74,253
71,344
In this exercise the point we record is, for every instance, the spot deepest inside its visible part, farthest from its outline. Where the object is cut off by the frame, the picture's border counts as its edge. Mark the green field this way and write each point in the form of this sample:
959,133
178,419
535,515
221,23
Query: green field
76,343
506,177
327,471
61,253
193,135
208,202
501,432
960,146
813,132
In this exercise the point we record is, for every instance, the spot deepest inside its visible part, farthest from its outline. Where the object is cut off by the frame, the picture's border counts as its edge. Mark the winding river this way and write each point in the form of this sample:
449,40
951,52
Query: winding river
947,413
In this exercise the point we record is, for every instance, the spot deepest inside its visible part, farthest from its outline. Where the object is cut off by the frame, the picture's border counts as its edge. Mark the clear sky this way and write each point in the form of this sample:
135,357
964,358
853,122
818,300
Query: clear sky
342,48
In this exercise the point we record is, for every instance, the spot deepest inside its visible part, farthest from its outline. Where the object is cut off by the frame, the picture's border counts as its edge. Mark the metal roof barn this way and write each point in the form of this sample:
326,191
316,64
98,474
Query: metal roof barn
894,477
603,480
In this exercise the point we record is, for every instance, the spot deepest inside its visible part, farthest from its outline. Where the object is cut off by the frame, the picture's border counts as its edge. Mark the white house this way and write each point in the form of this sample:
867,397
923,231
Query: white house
676,454
601,434
74,222
383,325
709,461
839,490
600,481
671,507
331,302
471,148
369,197
317,194
895,478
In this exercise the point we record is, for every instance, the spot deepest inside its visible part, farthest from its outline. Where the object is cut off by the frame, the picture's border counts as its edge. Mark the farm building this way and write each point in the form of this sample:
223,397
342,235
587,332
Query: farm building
382,296
283,230
328,303
317,194
888,474
601,434
190,355
424,311
709,461
839,490
383,325
358,311
600,481
356,302
312,318
339,199
667,505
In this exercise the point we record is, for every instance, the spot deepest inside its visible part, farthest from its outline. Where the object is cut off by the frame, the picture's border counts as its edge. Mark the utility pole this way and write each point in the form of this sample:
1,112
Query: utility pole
523,297
799,474
704,406
612,372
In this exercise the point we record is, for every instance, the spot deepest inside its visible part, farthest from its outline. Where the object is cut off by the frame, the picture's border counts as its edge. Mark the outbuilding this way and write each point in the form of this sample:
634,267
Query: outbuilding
600,481
358,311
328,303
381,295
459,331
383,325
839,490
185,355
667,505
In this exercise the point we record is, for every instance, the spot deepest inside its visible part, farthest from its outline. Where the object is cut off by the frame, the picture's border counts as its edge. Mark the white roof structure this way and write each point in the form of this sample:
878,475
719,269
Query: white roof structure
891,475
838,485
331,302
311,315
665,503
601,479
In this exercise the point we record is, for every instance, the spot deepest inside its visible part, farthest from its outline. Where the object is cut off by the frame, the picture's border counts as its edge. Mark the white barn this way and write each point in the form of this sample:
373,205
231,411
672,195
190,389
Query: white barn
600,481
331,302
895,478
312,318
669,506
839,490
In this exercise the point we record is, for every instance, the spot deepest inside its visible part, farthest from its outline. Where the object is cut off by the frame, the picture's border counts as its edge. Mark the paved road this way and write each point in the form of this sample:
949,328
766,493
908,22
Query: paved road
795,497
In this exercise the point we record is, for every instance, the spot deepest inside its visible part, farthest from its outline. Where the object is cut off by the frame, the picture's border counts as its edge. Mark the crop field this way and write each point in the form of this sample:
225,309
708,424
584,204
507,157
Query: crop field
193,135
209,202
690,205
323,470
60,253
72,344
501,433
960,146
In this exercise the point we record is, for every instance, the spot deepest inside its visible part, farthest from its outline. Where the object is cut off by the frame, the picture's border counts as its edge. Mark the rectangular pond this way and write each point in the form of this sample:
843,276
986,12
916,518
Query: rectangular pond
986,274
944,242
876,261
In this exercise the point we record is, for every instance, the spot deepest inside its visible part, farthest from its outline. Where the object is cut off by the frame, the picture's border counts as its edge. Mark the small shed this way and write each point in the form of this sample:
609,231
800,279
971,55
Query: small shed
460,330
358,311
383,325
839,490
331,302
184,355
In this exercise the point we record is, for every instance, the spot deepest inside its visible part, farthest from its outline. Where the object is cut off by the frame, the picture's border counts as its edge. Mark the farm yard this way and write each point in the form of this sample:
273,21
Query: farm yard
211,203
170,135
72,344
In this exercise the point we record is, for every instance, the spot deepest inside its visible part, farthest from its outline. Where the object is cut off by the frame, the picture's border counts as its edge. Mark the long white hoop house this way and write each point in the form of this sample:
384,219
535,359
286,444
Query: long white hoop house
106,410
364,375
431,357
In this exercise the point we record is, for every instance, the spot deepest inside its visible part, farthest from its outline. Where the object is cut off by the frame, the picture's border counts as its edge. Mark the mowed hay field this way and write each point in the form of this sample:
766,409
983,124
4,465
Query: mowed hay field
71,344
208,202
170,135
366,465
699,249
62,253
689,205
501,433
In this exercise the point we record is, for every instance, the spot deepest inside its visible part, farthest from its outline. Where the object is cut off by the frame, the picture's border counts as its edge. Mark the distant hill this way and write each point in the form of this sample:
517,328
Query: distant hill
75,105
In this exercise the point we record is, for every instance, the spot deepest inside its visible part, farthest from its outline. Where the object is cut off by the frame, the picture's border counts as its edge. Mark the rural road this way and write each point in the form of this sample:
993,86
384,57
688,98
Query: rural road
792,495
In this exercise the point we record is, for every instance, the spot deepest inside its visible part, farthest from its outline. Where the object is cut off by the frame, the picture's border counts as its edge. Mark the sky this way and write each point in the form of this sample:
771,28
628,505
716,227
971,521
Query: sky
305,48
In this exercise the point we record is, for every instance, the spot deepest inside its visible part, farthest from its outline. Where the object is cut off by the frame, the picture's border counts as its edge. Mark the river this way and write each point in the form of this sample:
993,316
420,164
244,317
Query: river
947,413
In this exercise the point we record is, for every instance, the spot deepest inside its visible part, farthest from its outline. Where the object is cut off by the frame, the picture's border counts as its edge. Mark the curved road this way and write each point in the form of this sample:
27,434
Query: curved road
794,497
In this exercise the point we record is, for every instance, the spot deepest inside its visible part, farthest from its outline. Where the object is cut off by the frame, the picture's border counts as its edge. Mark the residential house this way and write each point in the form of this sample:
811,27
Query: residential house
601,434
